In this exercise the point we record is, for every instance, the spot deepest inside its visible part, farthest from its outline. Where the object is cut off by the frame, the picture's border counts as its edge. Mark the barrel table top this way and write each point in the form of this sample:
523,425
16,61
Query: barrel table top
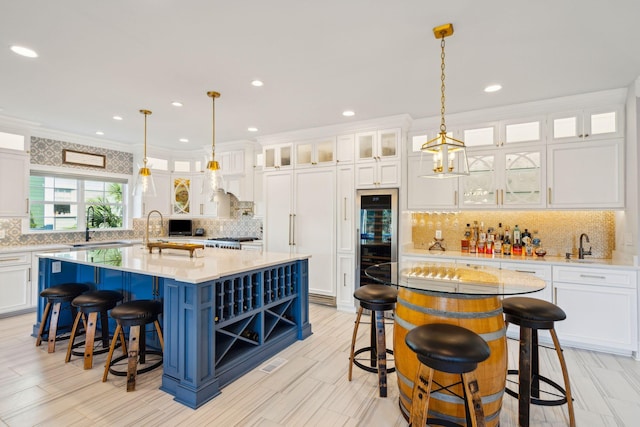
451,278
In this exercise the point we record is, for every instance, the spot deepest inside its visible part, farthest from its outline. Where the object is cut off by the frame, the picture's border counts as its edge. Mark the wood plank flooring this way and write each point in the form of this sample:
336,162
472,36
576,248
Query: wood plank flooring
310,389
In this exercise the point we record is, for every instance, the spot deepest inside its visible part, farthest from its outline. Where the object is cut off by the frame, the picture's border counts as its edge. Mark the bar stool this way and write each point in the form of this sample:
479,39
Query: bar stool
378,299
134,315
450,349
89,305
55,296
532,314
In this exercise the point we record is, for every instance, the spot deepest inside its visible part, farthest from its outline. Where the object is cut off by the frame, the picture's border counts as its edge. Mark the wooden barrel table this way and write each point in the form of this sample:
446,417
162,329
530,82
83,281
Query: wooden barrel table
463,295
482,315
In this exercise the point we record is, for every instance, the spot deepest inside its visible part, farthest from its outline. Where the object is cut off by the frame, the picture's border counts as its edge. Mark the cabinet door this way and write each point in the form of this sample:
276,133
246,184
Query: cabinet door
278,188
346,208
582,125
366,146
478,190
346,282
14,184
314,226
429,193
523,179
344,148
15,287
598,317
589,174
162,201
388,144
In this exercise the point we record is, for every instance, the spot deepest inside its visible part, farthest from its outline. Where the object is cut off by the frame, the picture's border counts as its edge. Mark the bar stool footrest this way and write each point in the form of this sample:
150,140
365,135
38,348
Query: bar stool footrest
536,400
139,371
96,350
370,368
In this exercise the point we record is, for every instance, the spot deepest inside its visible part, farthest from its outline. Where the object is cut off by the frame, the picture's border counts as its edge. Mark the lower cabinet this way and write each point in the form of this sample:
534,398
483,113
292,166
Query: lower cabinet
601,307
16,294
345,282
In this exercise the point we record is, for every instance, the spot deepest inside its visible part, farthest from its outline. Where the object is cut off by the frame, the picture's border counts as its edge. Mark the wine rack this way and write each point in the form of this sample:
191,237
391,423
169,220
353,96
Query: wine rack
252,310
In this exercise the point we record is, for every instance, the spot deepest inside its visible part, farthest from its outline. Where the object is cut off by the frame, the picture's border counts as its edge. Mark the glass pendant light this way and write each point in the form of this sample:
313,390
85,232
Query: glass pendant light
144,181
443,148
213,179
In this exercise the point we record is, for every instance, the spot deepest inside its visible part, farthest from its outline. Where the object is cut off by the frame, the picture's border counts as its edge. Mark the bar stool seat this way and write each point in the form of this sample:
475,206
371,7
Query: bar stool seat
56,295
378,299
532,314
134,315
89,305
450,349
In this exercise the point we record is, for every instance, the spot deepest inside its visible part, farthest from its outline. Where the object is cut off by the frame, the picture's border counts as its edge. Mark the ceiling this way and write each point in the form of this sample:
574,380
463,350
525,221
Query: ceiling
317,58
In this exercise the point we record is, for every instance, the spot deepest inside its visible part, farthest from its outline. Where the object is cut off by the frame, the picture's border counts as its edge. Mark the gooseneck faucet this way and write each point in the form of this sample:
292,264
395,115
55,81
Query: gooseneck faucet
146,226
581,251
89,220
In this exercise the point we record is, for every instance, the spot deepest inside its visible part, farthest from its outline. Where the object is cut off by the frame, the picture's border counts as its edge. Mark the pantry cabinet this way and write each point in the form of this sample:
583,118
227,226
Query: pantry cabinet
589,174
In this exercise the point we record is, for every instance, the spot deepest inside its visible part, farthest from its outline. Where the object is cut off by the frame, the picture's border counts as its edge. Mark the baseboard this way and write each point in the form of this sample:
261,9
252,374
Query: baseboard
322,299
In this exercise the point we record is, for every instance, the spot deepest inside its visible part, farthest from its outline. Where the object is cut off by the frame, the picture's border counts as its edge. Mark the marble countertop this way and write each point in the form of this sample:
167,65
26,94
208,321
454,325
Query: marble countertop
545,260
208,264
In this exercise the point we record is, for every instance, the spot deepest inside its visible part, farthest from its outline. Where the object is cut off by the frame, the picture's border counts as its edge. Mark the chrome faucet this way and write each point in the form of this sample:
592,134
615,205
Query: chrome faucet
91,213
581,251
146,226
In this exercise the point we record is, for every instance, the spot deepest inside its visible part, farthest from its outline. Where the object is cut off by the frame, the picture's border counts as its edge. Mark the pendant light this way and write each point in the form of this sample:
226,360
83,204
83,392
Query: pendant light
443,148
144,181
213,178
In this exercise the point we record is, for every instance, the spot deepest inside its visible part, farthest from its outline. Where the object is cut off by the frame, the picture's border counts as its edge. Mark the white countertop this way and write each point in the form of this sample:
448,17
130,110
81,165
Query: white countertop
176,264
546,260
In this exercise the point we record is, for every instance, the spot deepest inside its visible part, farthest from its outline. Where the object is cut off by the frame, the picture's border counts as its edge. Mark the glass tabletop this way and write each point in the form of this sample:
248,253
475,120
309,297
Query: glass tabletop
451,278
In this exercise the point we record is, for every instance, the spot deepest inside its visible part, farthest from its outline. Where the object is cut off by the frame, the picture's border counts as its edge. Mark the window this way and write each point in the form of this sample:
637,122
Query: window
69,203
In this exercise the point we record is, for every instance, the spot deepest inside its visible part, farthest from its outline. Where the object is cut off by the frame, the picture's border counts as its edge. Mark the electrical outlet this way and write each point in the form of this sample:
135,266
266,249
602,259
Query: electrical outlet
56,267
2,234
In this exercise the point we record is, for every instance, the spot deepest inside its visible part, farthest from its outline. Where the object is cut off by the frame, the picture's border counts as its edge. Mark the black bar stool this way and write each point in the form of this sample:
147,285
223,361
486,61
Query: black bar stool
55,296
378,299
89,305
134,315
454,350
532,314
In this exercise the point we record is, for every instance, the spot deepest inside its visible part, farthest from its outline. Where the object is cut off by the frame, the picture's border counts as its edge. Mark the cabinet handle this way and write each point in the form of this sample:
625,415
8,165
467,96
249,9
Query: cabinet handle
293,234
549,195
27,199
525,271
497,197
591,276
201,208
455,197
345,208
9,259
29,275
290,221
96,275
502,197
555,295
344,279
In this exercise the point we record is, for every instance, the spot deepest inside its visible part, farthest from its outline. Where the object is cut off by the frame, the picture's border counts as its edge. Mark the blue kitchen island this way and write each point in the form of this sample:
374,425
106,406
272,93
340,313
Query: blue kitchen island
225,311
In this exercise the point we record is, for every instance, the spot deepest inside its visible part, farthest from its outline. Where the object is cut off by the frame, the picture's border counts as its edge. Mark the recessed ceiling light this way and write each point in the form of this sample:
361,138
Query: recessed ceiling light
252,129
117,118
99,132
492,88
176,104
257,83
183,140
24,51
348,113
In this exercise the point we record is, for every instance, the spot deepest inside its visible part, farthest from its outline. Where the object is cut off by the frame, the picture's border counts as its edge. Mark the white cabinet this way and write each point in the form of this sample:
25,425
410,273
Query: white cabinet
346,223
14,184
231,162
345,148
319,152
345,282
429,193
582,125
300,218
530,130
277,156
540,271
601,306
588,174
378,145
378,174
164,190
504,178
16,293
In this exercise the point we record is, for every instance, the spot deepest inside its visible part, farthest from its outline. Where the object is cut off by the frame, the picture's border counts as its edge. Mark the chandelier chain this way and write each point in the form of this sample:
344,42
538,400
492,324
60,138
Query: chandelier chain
443,126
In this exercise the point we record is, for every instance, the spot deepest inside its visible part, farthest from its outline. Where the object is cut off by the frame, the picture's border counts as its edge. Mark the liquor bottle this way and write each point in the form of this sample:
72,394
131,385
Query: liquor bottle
464,243
506,243
517,236
482,239
499,236
527,242
473,241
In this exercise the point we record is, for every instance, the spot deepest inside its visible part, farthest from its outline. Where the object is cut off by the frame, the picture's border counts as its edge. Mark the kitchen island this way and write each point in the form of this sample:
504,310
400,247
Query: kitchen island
225,311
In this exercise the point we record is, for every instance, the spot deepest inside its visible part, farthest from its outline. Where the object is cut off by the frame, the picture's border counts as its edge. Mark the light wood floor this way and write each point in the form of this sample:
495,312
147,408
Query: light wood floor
37,388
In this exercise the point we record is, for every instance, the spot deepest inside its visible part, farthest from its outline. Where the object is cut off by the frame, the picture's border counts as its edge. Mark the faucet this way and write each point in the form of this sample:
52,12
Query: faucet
146,226
90,214
581,251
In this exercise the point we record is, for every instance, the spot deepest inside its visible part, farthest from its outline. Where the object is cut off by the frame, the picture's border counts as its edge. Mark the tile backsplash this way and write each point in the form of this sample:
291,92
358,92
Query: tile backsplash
559,231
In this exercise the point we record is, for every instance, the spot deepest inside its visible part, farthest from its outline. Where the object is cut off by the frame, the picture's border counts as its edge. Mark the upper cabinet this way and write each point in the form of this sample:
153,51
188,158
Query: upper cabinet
429,193
584,125
231,162
378,145
14,183
278,156
529,130
345,148
162,200
315,153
